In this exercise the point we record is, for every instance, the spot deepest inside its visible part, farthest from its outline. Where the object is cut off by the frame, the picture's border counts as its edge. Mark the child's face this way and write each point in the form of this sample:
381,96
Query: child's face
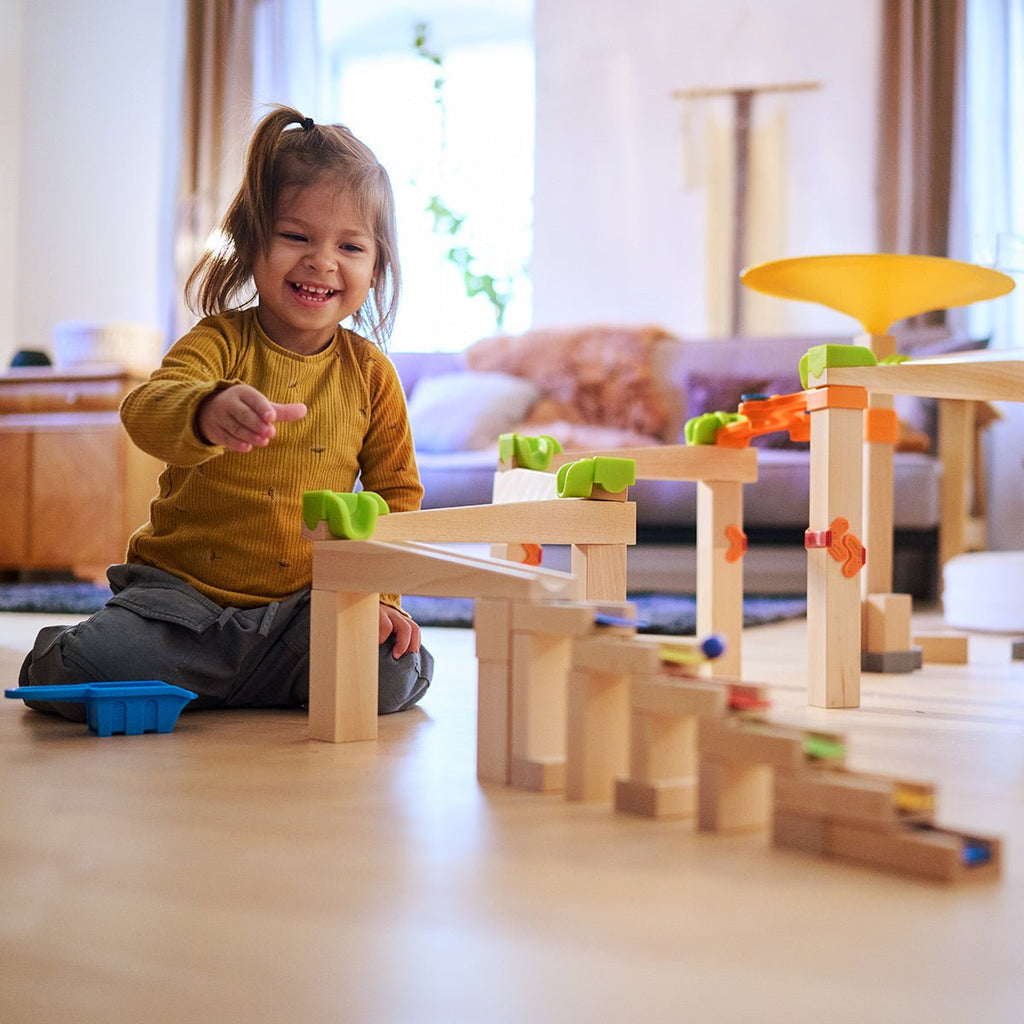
318,270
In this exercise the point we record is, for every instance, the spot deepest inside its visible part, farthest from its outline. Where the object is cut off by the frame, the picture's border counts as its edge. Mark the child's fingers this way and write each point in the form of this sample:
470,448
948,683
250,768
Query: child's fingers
288,412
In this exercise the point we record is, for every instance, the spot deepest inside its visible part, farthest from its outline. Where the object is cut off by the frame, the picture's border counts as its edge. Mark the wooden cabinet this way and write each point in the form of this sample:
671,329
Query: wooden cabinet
73,487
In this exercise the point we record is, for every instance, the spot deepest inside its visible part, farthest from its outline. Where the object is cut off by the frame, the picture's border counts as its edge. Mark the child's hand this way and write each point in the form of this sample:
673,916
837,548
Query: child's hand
407,632
240,418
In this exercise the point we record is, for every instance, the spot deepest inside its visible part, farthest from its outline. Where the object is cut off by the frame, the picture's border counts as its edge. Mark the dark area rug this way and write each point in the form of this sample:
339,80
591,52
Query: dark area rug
674,614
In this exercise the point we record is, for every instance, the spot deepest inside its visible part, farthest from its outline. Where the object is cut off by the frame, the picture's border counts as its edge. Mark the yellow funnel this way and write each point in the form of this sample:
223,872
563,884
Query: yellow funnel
878,289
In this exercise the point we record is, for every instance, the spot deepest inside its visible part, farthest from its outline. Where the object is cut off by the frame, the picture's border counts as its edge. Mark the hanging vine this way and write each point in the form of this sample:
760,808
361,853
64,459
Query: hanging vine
448,223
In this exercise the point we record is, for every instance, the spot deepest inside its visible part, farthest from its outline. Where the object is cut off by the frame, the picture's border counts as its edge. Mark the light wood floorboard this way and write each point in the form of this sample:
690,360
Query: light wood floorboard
234,871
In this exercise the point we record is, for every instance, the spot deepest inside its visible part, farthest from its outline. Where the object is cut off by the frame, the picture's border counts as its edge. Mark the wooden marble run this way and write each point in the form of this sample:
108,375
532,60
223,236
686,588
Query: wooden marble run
571,698
527,513
854,620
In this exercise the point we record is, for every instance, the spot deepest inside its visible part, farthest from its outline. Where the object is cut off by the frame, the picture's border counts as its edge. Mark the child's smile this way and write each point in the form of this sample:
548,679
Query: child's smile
318,269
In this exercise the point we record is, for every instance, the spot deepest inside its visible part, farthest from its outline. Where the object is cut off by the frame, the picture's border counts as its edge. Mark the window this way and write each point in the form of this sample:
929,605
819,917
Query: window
468,142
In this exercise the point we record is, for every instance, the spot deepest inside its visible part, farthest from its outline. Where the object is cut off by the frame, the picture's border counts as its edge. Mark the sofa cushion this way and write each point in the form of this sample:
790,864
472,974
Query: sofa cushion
603,373
454,412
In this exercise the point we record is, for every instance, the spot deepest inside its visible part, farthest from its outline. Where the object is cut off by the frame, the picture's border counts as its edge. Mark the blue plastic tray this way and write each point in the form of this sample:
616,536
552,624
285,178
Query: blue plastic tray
132,708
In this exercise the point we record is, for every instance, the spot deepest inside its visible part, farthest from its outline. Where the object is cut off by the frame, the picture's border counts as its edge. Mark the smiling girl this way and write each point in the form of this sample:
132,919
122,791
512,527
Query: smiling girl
255,405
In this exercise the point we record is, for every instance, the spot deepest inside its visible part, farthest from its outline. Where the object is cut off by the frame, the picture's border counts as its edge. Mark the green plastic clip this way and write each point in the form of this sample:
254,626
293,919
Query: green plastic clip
816,360
578,479
823,748
528,452
702,429
348,516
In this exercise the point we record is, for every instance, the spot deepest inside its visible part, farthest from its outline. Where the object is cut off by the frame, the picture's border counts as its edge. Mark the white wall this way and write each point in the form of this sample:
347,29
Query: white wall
622,228
11,28
95,163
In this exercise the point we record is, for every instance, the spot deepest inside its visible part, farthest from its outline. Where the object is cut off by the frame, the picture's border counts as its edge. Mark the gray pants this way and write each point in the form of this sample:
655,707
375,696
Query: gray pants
156,626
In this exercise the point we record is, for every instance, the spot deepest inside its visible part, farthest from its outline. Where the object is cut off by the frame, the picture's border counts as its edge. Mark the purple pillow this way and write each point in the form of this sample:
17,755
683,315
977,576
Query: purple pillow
721,393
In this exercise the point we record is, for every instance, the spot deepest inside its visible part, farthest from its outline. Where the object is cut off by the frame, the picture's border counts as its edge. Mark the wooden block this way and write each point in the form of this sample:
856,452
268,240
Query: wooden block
869,800
524,485
793,831
927,852
745,742
540,670
878,509
680,462
733,797
667,695
598,733
570,618
664,798
942,648
885,623
989,375
343,666
662,748
539,776
492,626
833,598
559,521
628,653
493,721
891,662
600,567
719,577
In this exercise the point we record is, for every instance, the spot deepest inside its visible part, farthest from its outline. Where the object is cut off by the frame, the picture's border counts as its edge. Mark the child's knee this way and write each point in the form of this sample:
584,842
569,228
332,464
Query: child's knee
402,681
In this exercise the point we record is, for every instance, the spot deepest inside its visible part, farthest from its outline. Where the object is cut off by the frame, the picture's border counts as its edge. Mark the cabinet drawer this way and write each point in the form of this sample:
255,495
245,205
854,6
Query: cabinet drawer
35,391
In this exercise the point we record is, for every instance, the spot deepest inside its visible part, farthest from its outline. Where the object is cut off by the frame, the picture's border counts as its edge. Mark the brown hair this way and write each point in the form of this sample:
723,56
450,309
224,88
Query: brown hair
281,156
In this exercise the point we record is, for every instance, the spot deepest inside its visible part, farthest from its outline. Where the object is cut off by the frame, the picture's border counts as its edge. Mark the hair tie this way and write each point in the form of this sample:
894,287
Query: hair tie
307,124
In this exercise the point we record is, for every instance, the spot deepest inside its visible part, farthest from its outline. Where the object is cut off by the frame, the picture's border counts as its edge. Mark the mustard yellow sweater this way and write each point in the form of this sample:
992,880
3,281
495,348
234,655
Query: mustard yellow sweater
229,523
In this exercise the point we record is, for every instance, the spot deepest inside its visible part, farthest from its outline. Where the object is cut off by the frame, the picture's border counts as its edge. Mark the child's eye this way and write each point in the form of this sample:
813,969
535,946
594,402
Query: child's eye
351,247
292,236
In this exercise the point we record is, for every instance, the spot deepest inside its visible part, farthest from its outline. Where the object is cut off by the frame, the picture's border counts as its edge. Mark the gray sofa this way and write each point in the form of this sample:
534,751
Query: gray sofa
460,402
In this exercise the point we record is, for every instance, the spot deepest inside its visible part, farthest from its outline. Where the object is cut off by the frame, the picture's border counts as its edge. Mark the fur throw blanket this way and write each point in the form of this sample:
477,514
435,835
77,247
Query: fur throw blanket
601,376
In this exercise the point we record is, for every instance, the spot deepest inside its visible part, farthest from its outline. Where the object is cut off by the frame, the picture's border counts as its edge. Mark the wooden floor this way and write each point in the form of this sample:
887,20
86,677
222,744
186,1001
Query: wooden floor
233,871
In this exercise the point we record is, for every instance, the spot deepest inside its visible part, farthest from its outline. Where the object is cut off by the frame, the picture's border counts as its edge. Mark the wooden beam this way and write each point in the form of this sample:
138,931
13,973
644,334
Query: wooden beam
681,462
992,375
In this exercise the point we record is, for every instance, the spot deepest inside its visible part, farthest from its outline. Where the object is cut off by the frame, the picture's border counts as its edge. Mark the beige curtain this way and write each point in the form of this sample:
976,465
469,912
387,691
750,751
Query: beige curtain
922,43
216,122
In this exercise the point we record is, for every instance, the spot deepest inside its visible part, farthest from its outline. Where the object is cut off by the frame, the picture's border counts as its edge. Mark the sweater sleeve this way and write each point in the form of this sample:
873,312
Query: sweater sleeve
159,414
387,461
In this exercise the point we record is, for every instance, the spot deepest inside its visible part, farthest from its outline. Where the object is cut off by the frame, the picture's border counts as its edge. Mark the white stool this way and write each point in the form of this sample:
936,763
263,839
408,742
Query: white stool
984,590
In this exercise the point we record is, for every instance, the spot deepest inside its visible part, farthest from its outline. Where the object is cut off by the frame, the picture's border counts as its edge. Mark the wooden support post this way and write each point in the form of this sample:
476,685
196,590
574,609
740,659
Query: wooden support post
719,573
492,623
878,483
541,663
956,454
662,779
343,666
602,570
833,595
733,796
598,733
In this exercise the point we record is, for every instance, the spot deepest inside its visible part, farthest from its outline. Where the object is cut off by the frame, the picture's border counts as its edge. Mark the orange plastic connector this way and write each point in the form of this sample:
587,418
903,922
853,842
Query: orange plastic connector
881,426
767,416
836,396
534,554
737,543
843,546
